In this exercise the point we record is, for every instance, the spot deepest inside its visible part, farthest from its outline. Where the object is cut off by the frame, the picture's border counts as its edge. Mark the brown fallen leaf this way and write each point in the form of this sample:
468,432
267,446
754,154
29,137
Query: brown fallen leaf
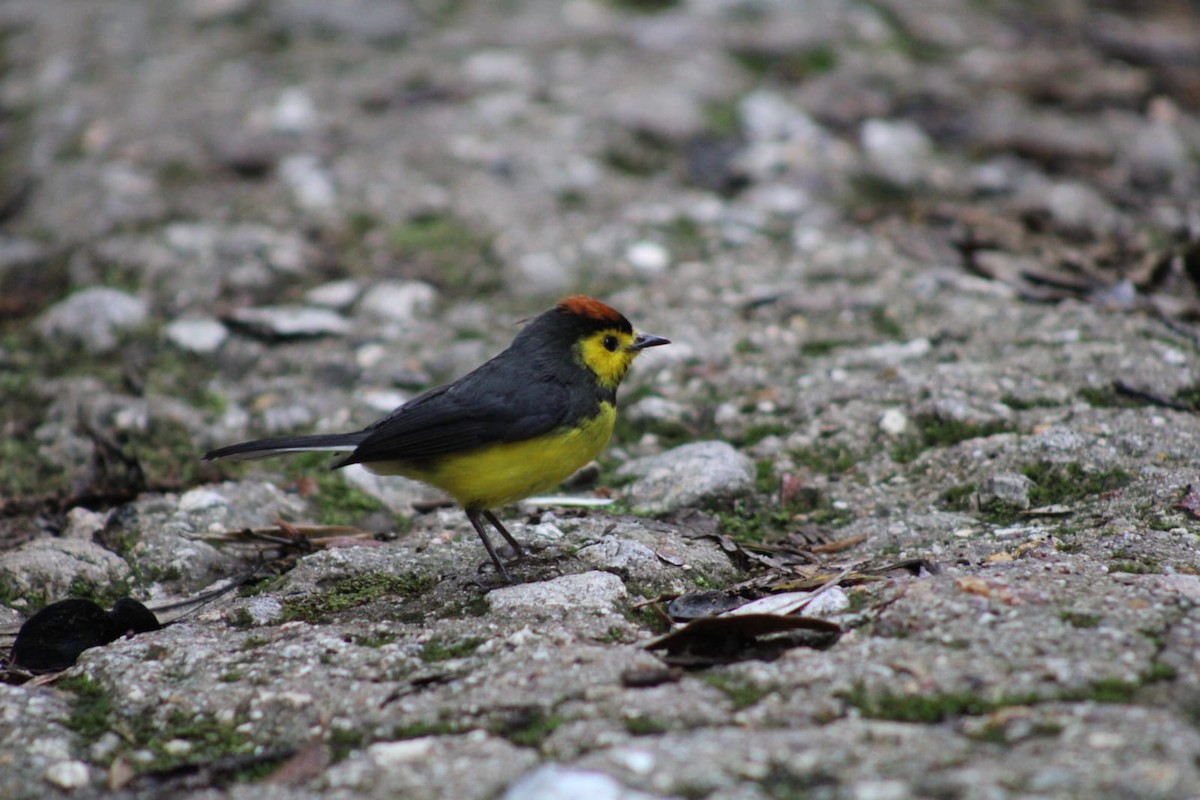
1189,503
839,545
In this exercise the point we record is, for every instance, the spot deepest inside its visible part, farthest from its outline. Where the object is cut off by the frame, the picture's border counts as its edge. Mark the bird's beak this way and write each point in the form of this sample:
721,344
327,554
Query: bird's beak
644,340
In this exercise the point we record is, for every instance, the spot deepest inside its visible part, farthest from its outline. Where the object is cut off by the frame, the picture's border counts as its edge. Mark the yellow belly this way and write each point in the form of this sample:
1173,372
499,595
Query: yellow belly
504,473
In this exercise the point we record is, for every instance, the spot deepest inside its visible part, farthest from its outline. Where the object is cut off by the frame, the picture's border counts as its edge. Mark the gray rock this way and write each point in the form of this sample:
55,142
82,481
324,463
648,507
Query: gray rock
628,558
471,767
94,318
163,536
1007,487
395,492
588,591
47,570
291,322
693,475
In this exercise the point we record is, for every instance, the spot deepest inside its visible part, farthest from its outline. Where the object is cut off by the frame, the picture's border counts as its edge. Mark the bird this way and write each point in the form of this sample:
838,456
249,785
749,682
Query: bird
515,426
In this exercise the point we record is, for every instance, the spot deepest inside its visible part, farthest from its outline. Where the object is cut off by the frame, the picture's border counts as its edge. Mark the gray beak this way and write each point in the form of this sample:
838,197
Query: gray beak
644,340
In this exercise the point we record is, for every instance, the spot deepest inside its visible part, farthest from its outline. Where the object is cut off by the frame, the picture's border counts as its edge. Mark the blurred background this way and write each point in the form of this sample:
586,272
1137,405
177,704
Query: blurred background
221,216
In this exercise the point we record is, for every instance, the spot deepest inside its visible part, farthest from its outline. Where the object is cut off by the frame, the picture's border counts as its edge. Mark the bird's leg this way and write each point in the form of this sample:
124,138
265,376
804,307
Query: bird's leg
473,516
508,537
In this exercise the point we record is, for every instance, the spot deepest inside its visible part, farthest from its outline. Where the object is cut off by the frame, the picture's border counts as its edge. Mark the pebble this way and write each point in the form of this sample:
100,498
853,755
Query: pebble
554,782
294,112
648,257
94,318
398,301
692,475
897,150
335,294
894,422
68,774
203,335
1007,487
309,181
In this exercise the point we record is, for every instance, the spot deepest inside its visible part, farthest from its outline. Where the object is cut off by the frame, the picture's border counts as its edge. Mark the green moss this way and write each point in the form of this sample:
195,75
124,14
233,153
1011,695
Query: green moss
448,253
440,649
828,458
722,120
1027,403
756,433
1133,567
352,592
93,715
232,676
335,501
740,692
926,708
644,6
475,607
931,430
1066,483
344,741
376,639
1109,690
1189,396
645,726
91,708
1080,619
790,66
529,728
958,498
419,729
1107,397
885,325
815,348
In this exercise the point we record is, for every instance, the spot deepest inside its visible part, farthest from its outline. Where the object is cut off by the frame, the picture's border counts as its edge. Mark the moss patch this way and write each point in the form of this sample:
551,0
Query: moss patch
442,649
354,591
931,430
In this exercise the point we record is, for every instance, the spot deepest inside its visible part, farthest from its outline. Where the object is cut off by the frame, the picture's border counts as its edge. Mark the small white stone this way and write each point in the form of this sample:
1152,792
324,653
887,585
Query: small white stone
335,294
200,499
383,400
388,754
178,747
310,182
294,111
197,335
894,422
398,300
648,257
68,774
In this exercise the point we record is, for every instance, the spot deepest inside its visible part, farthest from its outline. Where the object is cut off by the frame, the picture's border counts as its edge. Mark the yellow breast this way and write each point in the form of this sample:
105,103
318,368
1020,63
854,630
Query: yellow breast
503,473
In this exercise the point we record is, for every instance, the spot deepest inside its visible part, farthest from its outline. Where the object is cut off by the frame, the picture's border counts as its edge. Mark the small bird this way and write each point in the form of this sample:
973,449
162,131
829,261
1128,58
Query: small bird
515,426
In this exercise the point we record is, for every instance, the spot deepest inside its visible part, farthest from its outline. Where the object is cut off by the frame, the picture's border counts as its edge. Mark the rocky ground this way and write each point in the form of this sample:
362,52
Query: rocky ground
929,270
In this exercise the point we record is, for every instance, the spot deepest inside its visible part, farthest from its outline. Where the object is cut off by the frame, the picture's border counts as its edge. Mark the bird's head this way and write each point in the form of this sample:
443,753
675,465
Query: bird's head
604,341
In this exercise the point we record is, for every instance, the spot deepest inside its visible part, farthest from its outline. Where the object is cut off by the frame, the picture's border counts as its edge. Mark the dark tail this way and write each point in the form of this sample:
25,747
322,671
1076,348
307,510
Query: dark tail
286,445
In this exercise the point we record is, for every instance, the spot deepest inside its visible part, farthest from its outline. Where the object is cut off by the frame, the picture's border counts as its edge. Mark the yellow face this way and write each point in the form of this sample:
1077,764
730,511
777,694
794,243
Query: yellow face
608,354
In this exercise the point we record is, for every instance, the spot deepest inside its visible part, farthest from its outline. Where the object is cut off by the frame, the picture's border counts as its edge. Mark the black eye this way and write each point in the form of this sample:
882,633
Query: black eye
610,343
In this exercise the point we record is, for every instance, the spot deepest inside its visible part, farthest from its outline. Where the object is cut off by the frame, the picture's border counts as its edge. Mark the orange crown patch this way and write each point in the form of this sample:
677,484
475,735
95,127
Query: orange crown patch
584,306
